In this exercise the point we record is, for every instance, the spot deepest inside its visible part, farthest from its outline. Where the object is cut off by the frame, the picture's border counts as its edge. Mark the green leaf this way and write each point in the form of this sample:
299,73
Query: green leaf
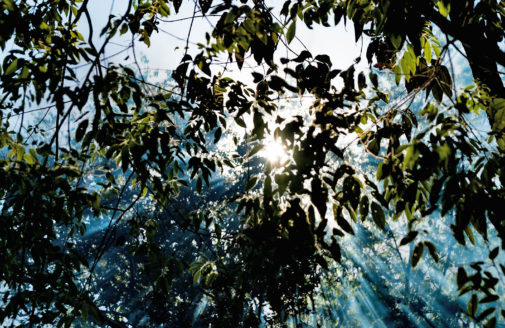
20,152
13,66
29,159
498,108
396,41
123,29
196,277
374,146
379,172
25,73
443,8
398,74
33,154
249,26
144,192
378,216
9,5
469,233
291,32
427,51
146,39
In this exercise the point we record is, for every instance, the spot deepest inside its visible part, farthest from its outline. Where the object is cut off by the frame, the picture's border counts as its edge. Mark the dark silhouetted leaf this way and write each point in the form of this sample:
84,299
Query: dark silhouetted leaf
408,238
81,130
378,216
341,221
473,305
494,253
432,249
417,254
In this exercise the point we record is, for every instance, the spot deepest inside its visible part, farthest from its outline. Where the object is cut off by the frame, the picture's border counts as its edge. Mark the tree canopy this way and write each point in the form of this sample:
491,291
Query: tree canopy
121,206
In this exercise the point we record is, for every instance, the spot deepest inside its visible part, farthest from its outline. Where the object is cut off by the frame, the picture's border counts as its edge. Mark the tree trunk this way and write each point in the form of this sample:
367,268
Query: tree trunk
479,52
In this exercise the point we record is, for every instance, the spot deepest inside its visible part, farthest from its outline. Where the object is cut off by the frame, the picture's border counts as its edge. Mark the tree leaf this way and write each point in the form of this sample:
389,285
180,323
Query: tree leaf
256,149
240,122
461,277
485,313
217,135
84,312
205,5
177,5
199,185
396,41
29,159
374,146
291,32
498,108
378,216
341,221
491,323
473,305
81,130
417,254
494,253
364,206
427,51
408,238
335,251
13,66
444,7
251,183
490,299
196,276
433,250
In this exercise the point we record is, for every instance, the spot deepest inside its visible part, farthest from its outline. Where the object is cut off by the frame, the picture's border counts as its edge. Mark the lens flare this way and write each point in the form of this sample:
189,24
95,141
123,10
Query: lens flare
275,152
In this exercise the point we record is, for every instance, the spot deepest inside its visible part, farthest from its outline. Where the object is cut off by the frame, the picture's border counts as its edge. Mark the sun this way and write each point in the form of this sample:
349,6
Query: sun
274,152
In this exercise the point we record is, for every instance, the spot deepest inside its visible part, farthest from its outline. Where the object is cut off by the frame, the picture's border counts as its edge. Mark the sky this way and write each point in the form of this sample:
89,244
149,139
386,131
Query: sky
167,46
